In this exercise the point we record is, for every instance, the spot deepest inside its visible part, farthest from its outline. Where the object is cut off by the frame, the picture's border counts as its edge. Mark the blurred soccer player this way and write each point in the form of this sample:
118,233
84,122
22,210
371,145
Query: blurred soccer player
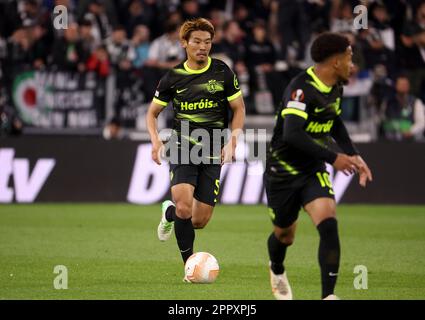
296,176
202,91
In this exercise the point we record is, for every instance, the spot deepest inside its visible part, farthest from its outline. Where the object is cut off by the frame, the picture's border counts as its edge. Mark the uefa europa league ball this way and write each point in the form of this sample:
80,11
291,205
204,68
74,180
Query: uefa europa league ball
201,267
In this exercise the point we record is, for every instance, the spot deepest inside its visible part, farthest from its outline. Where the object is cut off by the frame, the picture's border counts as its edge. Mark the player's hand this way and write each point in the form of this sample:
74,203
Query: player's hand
364,172
157,149
346,164
228,153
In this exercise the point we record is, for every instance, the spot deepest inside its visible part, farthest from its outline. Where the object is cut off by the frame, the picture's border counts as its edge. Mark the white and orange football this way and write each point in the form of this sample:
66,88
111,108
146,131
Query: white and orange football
201,267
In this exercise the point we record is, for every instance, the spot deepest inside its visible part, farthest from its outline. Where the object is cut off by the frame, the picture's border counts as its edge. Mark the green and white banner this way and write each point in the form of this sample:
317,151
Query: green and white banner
53,99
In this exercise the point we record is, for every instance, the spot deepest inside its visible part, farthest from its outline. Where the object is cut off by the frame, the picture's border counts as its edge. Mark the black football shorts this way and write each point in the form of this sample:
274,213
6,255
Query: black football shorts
286,199
204,177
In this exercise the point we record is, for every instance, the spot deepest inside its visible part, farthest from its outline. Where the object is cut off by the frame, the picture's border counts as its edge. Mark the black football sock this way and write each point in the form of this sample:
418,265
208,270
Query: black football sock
170,213
185,236
329,254
277,252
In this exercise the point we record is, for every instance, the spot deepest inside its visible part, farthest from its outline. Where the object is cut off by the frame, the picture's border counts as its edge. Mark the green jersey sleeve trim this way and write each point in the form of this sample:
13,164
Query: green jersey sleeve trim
296,112
192,71
233,97
318,84
160,102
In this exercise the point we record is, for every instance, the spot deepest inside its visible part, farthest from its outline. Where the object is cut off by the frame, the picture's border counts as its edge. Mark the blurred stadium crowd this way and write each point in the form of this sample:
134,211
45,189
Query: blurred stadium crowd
266,42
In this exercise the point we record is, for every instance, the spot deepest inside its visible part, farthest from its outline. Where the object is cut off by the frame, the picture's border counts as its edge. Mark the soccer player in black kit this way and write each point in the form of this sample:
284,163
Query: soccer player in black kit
203,91
307,120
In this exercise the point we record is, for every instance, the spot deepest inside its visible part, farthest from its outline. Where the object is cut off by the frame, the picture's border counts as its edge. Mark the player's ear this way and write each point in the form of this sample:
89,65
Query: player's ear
183,43
336,62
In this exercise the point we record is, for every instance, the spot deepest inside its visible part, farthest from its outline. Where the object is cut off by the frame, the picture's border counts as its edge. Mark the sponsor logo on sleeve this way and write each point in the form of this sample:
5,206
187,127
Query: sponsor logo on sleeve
297,95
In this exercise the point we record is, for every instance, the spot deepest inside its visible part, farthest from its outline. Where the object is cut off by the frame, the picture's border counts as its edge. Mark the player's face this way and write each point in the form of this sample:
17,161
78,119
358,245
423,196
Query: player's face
198,46
344,66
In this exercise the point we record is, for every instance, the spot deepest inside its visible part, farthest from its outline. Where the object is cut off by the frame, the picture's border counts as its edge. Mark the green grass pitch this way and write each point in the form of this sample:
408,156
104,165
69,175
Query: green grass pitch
111,251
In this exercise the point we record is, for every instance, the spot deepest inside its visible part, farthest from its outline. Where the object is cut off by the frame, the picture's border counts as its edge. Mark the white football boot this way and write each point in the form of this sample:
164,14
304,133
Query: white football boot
165,228
280,286
331,297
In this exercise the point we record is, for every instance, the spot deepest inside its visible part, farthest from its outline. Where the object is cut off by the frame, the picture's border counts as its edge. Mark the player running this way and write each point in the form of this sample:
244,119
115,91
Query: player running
202,91
295,176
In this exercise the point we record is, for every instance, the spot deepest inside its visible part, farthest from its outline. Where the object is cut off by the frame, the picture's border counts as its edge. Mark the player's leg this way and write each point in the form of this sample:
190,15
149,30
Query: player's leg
320,204
279,240
178,174
183,198
284,206
322,213
201,214
179,213
205,195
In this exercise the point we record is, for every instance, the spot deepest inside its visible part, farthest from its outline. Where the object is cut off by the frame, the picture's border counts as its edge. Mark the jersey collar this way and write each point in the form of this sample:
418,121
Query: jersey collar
192,71
318,84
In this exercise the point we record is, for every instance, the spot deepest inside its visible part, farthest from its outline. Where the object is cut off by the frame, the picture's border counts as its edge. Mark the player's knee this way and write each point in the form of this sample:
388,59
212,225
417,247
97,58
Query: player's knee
183,210
287,238
199,224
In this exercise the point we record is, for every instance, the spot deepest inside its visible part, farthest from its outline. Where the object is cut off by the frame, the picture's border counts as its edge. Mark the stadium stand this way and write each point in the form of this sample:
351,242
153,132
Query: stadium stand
103,67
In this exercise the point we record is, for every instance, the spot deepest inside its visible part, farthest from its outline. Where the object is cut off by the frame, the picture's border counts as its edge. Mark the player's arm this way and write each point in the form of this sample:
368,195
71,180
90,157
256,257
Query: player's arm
342,138
295,135
235,99
340,134
154,110
163,94
238,107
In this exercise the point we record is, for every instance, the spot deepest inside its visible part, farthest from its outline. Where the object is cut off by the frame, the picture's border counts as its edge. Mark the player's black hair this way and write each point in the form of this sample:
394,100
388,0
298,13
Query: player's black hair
328,44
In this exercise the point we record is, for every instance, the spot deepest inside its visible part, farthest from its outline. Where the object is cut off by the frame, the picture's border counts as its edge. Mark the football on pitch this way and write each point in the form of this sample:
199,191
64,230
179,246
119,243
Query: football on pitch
201,267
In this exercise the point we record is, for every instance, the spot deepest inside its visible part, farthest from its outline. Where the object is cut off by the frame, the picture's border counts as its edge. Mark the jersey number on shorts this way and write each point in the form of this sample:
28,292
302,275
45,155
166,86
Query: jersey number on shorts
217,189
325,181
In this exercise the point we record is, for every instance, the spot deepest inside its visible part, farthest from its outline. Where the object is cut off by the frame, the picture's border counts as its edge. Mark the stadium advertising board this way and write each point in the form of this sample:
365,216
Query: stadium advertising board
69,169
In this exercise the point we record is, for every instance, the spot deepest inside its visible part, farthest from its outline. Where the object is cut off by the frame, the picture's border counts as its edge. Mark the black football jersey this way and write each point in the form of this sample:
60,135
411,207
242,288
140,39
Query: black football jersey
308,97
200,97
